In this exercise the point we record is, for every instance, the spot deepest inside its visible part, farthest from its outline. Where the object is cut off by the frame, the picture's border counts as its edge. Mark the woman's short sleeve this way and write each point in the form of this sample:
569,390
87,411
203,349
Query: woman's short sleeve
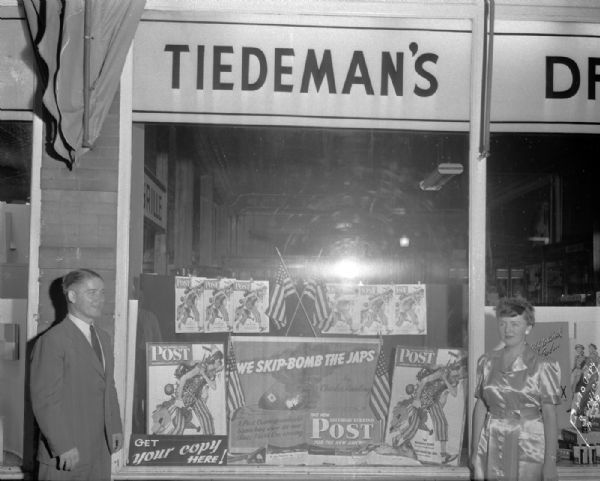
550,382
479,385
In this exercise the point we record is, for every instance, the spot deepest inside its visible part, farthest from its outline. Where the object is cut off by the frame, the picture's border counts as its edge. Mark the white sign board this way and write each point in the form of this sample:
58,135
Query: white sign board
314,71
546,77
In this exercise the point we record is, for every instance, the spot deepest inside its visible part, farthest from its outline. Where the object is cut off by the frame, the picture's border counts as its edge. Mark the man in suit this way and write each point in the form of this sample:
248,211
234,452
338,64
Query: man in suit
73,390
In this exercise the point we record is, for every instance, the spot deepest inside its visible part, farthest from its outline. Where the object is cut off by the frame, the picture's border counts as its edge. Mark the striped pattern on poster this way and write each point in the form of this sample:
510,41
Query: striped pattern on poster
381,391
235,394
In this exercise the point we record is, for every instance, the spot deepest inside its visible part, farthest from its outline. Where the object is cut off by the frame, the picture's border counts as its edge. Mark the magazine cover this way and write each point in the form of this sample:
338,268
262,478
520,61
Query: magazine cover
299,396
216,301
188,306
428,403
584,379
344,316
250,300
185,389
376,309
410,309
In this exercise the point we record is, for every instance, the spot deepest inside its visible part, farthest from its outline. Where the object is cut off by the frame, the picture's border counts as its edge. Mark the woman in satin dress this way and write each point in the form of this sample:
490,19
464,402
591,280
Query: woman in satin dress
514,421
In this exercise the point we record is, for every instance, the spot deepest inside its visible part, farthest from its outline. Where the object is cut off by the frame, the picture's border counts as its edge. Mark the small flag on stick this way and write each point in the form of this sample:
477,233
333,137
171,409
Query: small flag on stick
317,293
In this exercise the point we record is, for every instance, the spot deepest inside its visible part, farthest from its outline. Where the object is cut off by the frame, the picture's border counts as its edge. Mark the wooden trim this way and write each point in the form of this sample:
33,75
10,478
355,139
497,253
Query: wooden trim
403,8
35,225
123,348
477,214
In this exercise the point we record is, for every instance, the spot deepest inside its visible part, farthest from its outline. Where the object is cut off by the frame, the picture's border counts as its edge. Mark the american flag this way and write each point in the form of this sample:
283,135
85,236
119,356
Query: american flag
317,292
380,392
235,394
283,289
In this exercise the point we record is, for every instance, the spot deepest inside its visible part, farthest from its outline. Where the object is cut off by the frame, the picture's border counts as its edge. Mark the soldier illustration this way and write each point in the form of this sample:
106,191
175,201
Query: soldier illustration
187,310
341,319
407,318
373,319
216,311
247,313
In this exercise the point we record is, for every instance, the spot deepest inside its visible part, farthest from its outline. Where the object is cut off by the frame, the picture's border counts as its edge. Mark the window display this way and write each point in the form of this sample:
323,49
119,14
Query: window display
329,275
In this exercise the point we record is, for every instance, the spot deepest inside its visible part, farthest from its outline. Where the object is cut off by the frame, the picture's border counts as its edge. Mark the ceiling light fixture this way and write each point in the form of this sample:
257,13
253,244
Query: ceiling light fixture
440,176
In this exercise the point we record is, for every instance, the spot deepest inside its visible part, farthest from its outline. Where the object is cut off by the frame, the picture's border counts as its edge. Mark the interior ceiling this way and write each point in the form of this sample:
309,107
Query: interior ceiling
320,170
341,188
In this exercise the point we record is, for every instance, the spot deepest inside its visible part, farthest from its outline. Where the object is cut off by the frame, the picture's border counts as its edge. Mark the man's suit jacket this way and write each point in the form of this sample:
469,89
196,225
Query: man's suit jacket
73,397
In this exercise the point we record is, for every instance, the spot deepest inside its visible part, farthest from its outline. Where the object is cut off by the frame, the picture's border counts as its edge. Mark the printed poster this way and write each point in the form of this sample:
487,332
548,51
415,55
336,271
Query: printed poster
189,315
584,383
304,396
250,300
162,450
410,313
428,403
547,339
185,389
215,301
378,309
344,315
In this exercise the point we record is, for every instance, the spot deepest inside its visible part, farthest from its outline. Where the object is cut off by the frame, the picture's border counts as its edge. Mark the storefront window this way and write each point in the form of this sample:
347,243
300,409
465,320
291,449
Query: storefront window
543,224
15,161
302,269
15,188
543,246
312,287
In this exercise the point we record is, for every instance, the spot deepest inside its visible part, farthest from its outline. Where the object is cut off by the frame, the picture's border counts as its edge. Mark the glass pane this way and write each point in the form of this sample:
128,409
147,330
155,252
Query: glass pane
15,179
369,229
15,161
543,224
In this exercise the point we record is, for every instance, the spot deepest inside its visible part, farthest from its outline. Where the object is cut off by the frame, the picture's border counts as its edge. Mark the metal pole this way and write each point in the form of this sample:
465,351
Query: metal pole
87,40
486,80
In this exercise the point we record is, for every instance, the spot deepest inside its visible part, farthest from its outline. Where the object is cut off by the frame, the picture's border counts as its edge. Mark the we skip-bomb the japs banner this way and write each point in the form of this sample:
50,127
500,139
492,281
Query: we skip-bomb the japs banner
312,395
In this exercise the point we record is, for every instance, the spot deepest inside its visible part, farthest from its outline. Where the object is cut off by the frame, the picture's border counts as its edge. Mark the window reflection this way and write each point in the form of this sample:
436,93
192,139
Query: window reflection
322,195
367,215
543,224
15,161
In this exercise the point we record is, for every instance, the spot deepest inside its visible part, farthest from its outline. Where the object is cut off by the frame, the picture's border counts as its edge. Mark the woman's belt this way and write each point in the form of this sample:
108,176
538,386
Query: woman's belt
526,413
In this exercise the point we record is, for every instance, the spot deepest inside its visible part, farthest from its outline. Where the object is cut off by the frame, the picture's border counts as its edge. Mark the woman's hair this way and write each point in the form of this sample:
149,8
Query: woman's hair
77,276
593,345
515,306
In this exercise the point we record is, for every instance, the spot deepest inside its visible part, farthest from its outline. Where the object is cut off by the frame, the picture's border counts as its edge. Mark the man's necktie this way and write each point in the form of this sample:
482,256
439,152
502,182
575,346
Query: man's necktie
96,344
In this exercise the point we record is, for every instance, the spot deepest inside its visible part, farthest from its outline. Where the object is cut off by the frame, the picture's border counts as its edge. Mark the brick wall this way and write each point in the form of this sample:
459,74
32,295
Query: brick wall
79,221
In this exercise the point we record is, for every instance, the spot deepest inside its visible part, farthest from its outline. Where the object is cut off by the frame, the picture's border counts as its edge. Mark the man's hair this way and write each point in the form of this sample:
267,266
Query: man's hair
77,276
593,345
515,306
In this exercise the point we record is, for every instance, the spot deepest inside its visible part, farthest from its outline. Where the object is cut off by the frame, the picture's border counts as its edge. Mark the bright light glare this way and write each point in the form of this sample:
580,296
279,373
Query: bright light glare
404,241
347,269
